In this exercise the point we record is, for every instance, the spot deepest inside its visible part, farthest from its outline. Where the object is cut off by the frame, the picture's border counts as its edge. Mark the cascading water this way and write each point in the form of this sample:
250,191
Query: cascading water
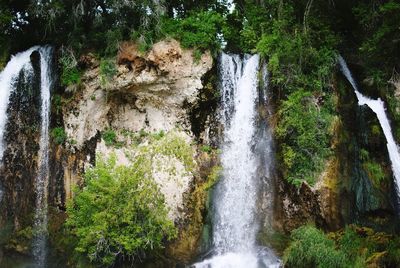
8,79
40,227
235,223
378,107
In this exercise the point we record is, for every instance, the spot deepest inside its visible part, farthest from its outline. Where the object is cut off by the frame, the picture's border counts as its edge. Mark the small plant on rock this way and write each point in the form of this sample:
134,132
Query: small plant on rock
58,135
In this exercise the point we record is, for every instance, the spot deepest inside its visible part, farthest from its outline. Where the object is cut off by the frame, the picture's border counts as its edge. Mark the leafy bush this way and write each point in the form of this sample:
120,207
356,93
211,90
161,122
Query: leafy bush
159,135
206,148
311,248
381,33
352,247
112,38
375,172
107,70
120,212
303,129
57,103
70,74
199,30
58,134
174,145
109,136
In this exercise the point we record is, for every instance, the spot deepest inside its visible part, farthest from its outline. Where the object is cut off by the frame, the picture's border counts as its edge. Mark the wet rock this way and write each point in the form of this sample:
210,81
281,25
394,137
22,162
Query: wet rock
19,168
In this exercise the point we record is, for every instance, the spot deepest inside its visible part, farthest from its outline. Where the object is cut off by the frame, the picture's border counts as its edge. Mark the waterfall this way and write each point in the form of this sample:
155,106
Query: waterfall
8,79
378,107
41,188
235,223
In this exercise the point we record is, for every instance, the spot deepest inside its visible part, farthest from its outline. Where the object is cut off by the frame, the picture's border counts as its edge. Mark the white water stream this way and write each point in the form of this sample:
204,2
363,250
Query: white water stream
8,79
235,223
378,107
42,180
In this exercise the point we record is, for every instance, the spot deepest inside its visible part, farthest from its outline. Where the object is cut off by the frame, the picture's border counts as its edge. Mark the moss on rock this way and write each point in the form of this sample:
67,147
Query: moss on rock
186,247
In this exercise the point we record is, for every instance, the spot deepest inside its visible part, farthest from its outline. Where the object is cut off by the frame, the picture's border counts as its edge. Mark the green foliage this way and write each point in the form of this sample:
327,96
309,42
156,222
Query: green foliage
4,54
58,135
364,155
110,137
206,148
276,240
57,103
379,37
312,248
197,55
107,70
393,104
119,213
367,248
352,247
70,74
375,172
173,145
96,25
112,39
159,135
297,63
380,23
169,144
303,131
301,59
199,30
137,138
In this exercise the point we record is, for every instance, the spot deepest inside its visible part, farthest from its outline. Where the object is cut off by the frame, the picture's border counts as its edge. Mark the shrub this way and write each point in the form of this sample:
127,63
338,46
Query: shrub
206,148
311,248
158,135
107,70
112,39
303,131
57,103
173,145
375,172
120,212
354,246
70,74
58,135
110,137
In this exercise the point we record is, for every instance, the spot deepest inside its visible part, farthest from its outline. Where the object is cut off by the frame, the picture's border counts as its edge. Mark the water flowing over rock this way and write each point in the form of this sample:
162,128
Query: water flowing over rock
378,107
235,200
25,167
20,82
8,80
42,180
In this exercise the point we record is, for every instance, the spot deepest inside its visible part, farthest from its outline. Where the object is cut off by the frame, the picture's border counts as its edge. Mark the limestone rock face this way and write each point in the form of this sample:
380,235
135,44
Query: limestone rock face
150,92
150,98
